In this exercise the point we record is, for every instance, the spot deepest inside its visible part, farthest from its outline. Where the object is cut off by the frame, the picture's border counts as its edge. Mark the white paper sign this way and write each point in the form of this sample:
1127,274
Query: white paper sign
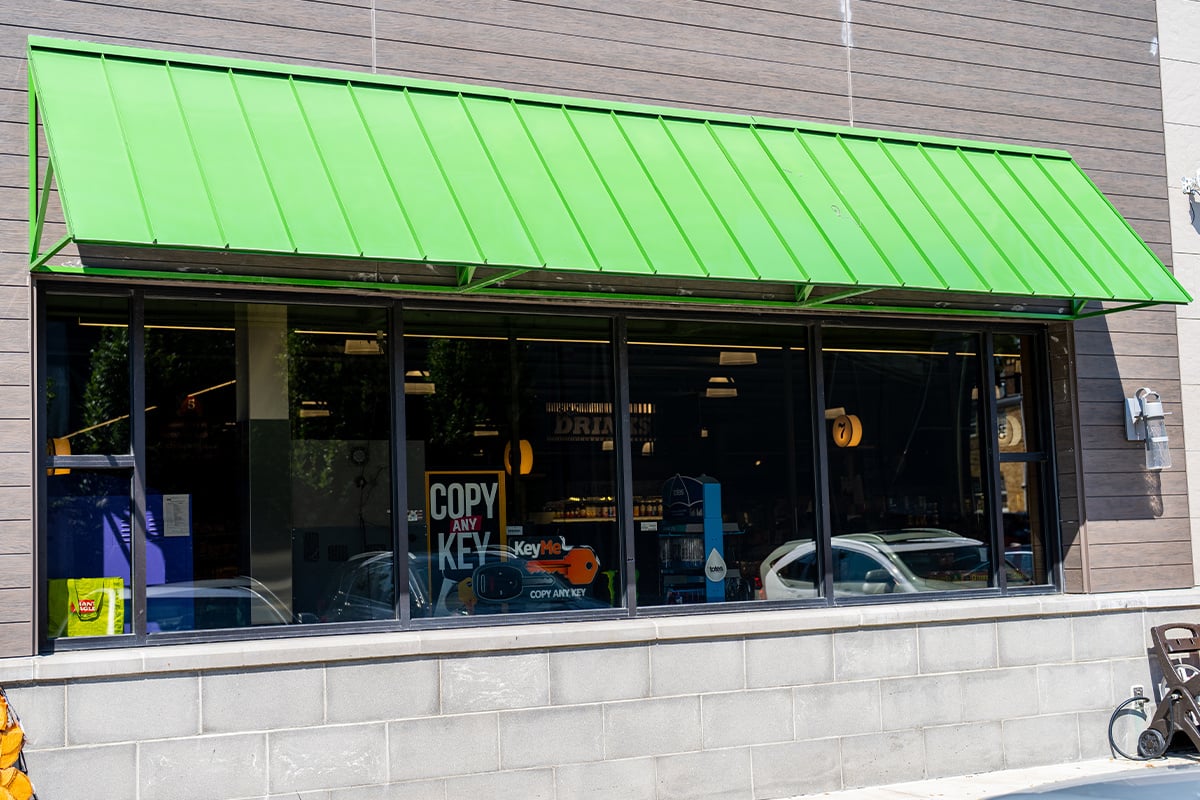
177,515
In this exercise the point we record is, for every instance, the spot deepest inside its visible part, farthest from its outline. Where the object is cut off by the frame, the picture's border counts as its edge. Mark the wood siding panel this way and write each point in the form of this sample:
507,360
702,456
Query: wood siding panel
1134,367
1147,507
1130,460
1136,343
1108,556
1113,435
13,603
1137,579
15,504
1050,50
1118,532
16,571
15,402
1165,483
300,32
1020,80
16,470
16,638
1073,581
1110,18
597,33
716,83
16,536
1005,101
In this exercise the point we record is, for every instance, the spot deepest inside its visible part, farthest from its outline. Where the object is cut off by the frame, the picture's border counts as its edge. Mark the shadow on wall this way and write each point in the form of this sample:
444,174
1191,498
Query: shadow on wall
1115,355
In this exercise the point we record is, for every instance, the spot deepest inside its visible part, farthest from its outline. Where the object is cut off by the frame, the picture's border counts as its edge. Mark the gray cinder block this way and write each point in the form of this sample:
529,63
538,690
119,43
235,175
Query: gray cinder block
194,768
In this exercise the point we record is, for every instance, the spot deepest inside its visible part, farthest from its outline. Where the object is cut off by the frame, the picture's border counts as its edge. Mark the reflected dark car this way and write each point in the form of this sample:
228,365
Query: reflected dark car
506,583
215,603
1167,783
362,588
503,582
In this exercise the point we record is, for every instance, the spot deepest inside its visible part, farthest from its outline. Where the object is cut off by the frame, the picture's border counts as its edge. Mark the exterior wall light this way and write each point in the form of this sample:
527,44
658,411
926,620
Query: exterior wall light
1191,187
1145,421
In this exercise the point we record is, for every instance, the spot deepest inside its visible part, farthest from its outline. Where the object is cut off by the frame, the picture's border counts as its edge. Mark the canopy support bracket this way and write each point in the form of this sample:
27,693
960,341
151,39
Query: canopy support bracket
1104,311
38,203
49,254
483,284
465,274
810,302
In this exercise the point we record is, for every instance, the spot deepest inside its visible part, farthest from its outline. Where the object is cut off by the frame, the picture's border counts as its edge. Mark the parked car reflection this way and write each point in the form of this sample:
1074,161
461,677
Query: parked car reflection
505,583
363,588
236,602
883,562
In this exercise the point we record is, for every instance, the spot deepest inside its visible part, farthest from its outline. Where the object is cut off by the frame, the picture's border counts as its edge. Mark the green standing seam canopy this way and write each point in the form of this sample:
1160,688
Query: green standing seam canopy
182,152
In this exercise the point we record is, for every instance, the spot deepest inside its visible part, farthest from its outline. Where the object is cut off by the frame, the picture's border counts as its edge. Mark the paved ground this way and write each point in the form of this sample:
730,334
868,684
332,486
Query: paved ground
991,784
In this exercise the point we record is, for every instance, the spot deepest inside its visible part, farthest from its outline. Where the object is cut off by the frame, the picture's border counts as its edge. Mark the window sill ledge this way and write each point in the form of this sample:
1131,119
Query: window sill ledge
299,651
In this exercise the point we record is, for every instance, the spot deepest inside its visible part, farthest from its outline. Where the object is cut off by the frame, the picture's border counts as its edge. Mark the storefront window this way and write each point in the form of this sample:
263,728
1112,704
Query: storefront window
1021,456
907,478
88,553
722,467
269,445
511,463
86,390
268,479
87,375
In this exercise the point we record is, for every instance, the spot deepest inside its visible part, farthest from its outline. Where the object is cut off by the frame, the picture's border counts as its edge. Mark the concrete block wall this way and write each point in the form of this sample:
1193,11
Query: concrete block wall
794,703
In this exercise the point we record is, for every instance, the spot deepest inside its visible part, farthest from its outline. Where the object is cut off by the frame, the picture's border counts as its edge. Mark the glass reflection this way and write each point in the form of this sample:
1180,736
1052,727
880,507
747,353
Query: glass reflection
907,488
267,450
1018,441
88,553
721,477
512,465
87,375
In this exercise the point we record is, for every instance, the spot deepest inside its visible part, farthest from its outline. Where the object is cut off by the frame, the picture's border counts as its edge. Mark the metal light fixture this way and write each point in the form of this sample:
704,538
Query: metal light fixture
720,386
1145,421
1191,187
737,358
416,381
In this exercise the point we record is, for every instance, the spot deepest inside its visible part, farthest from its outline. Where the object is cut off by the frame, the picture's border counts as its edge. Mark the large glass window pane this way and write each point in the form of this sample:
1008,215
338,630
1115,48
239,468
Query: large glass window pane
511,463
268,474
87,375
906,475
1017,429
1018,440
722,463
88,552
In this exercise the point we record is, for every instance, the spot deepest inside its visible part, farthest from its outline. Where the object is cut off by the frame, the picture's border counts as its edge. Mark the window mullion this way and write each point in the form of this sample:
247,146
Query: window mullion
399,455
990,455
621,433
137,441
824,542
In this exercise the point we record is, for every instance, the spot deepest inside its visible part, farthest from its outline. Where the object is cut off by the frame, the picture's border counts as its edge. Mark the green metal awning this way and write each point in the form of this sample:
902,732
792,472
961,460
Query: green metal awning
468,189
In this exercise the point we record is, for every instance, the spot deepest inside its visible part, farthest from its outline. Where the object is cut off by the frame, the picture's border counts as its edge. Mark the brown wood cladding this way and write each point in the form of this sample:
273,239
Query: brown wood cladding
1075,74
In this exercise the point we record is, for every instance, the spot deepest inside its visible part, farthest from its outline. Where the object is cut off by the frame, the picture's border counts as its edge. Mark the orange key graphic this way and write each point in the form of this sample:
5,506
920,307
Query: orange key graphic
578,565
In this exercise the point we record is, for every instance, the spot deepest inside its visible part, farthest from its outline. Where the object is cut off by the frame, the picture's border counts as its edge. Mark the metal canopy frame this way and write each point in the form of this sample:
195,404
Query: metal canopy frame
807,294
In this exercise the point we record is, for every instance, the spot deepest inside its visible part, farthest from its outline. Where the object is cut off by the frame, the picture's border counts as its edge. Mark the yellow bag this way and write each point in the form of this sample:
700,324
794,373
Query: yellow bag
86,607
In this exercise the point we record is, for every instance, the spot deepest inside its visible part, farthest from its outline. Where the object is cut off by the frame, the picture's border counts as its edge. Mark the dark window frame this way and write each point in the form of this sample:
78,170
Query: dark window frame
814,324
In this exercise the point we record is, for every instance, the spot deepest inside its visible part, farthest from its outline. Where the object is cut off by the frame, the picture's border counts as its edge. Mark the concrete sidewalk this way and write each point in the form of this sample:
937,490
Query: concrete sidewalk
991,784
